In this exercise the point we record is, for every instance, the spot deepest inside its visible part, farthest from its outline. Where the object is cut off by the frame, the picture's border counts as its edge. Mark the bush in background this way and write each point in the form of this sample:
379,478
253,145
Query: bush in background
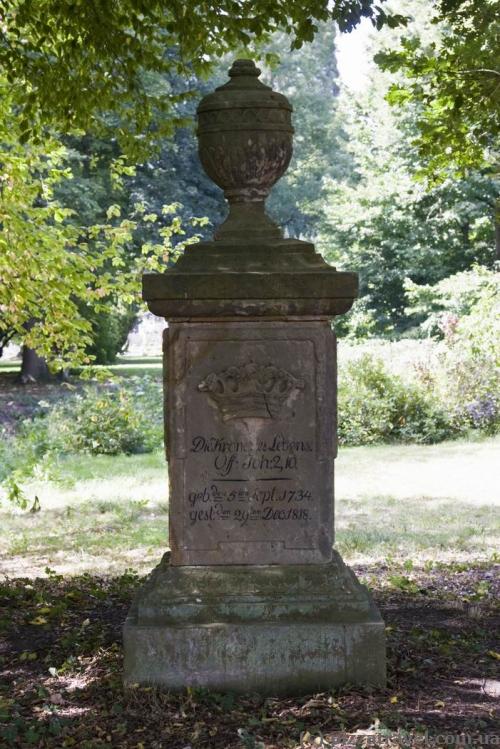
464,313
102,422
125,416
375,405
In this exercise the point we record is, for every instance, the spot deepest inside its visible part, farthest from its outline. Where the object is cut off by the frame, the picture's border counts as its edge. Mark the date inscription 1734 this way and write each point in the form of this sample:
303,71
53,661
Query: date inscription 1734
251,477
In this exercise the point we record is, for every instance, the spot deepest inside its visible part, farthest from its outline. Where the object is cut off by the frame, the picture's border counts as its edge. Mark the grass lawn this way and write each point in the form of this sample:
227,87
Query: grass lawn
420,503
125,365
129,365
12,365
418,524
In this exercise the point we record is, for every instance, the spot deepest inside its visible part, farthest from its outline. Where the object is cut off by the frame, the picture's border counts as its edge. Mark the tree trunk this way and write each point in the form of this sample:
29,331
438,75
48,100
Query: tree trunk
33,367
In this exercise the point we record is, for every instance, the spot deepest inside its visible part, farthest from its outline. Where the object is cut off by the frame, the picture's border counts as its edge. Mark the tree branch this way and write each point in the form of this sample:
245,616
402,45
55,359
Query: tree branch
482,70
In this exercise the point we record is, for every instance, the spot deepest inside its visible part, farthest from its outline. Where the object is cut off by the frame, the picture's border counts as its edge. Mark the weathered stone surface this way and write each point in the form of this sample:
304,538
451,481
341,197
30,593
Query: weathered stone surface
251,424
242,593
245,145
273,629
291,658
279,279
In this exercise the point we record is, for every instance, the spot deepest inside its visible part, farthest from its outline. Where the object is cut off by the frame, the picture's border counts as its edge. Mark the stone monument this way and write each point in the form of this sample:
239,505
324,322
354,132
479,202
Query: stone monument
252,596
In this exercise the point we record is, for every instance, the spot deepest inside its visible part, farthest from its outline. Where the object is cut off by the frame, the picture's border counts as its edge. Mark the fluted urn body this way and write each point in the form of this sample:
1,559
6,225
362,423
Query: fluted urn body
245,145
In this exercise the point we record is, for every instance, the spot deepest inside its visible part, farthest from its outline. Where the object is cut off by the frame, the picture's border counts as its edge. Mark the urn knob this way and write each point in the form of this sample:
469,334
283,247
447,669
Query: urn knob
245,146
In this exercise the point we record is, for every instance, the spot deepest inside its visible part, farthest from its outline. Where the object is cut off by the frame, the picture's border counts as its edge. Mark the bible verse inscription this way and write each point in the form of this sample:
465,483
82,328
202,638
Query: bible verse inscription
251,481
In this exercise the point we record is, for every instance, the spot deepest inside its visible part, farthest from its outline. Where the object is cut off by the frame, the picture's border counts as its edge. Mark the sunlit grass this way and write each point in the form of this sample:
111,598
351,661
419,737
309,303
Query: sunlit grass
11,365
107,513
127,366
124,366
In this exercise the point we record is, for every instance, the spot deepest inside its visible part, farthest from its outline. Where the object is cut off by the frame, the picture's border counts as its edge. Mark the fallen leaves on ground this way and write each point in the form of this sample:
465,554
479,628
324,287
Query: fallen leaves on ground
61,668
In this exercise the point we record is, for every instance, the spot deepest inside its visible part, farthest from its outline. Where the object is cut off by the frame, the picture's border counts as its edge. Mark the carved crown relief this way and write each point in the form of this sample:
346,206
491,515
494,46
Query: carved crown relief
251,390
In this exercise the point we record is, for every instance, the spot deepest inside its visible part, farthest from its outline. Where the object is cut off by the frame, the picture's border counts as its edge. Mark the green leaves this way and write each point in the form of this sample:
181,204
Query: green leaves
70,64
58,260
455,82
386,219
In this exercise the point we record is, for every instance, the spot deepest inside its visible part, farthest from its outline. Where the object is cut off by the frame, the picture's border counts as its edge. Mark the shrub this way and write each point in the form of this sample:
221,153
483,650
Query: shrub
468,376
125,417
107,421
468,384
119,418
376,406
463,310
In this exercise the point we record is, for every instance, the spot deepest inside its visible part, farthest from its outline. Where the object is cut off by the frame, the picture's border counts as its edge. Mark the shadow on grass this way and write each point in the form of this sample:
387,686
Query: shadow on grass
61,658
385,525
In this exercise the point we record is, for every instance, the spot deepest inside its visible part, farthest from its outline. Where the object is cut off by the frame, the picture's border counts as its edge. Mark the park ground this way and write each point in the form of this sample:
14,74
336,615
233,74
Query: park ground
419,525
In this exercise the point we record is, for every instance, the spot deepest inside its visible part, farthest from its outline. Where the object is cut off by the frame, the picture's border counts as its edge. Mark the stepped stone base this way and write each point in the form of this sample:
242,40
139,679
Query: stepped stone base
271,629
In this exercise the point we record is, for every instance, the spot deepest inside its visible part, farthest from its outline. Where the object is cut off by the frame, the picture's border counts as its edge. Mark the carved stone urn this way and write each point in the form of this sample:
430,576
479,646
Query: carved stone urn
245,145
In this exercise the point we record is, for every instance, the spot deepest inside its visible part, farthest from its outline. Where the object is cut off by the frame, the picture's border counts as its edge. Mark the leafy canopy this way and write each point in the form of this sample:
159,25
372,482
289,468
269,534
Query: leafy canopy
455,84
390,227
52,265
79,64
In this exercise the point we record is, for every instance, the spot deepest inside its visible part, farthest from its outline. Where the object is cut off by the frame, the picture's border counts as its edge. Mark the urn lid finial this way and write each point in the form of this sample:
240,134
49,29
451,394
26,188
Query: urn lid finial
244,66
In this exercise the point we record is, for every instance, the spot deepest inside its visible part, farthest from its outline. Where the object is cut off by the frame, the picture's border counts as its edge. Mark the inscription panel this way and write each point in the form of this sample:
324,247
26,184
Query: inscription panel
250,429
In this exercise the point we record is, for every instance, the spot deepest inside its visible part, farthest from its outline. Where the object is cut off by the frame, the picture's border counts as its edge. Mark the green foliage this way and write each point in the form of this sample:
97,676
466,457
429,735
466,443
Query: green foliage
466,314
102,66
389,227
106,422
377,406
124,417
469,383
110,329
309,78
40,265
120,417
52,263
439,307
454,81
26,455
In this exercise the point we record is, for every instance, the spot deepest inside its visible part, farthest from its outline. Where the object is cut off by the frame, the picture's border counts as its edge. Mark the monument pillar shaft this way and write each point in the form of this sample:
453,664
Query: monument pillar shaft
250,420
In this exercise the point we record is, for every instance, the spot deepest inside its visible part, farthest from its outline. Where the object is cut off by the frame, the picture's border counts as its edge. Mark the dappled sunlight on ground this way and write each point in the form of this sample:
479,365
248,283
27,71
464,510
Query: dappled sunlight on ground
61,654
63,563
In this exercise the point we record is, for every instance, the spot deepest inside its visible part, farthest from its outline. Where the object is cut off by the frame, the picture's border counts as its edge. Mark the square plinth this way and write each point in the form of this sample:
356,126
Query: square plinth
272,629
250,415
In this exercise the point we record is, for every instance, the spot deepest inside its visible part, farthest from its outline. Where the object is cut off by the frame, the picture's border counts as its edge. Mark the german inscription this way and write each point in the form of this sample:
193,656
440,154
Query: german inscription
252,482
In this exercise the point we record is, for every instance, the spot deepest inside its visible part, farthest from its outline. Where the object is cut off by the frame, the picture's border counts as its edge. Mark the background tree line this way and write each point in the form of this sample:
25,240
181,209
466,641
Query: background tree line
396,182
